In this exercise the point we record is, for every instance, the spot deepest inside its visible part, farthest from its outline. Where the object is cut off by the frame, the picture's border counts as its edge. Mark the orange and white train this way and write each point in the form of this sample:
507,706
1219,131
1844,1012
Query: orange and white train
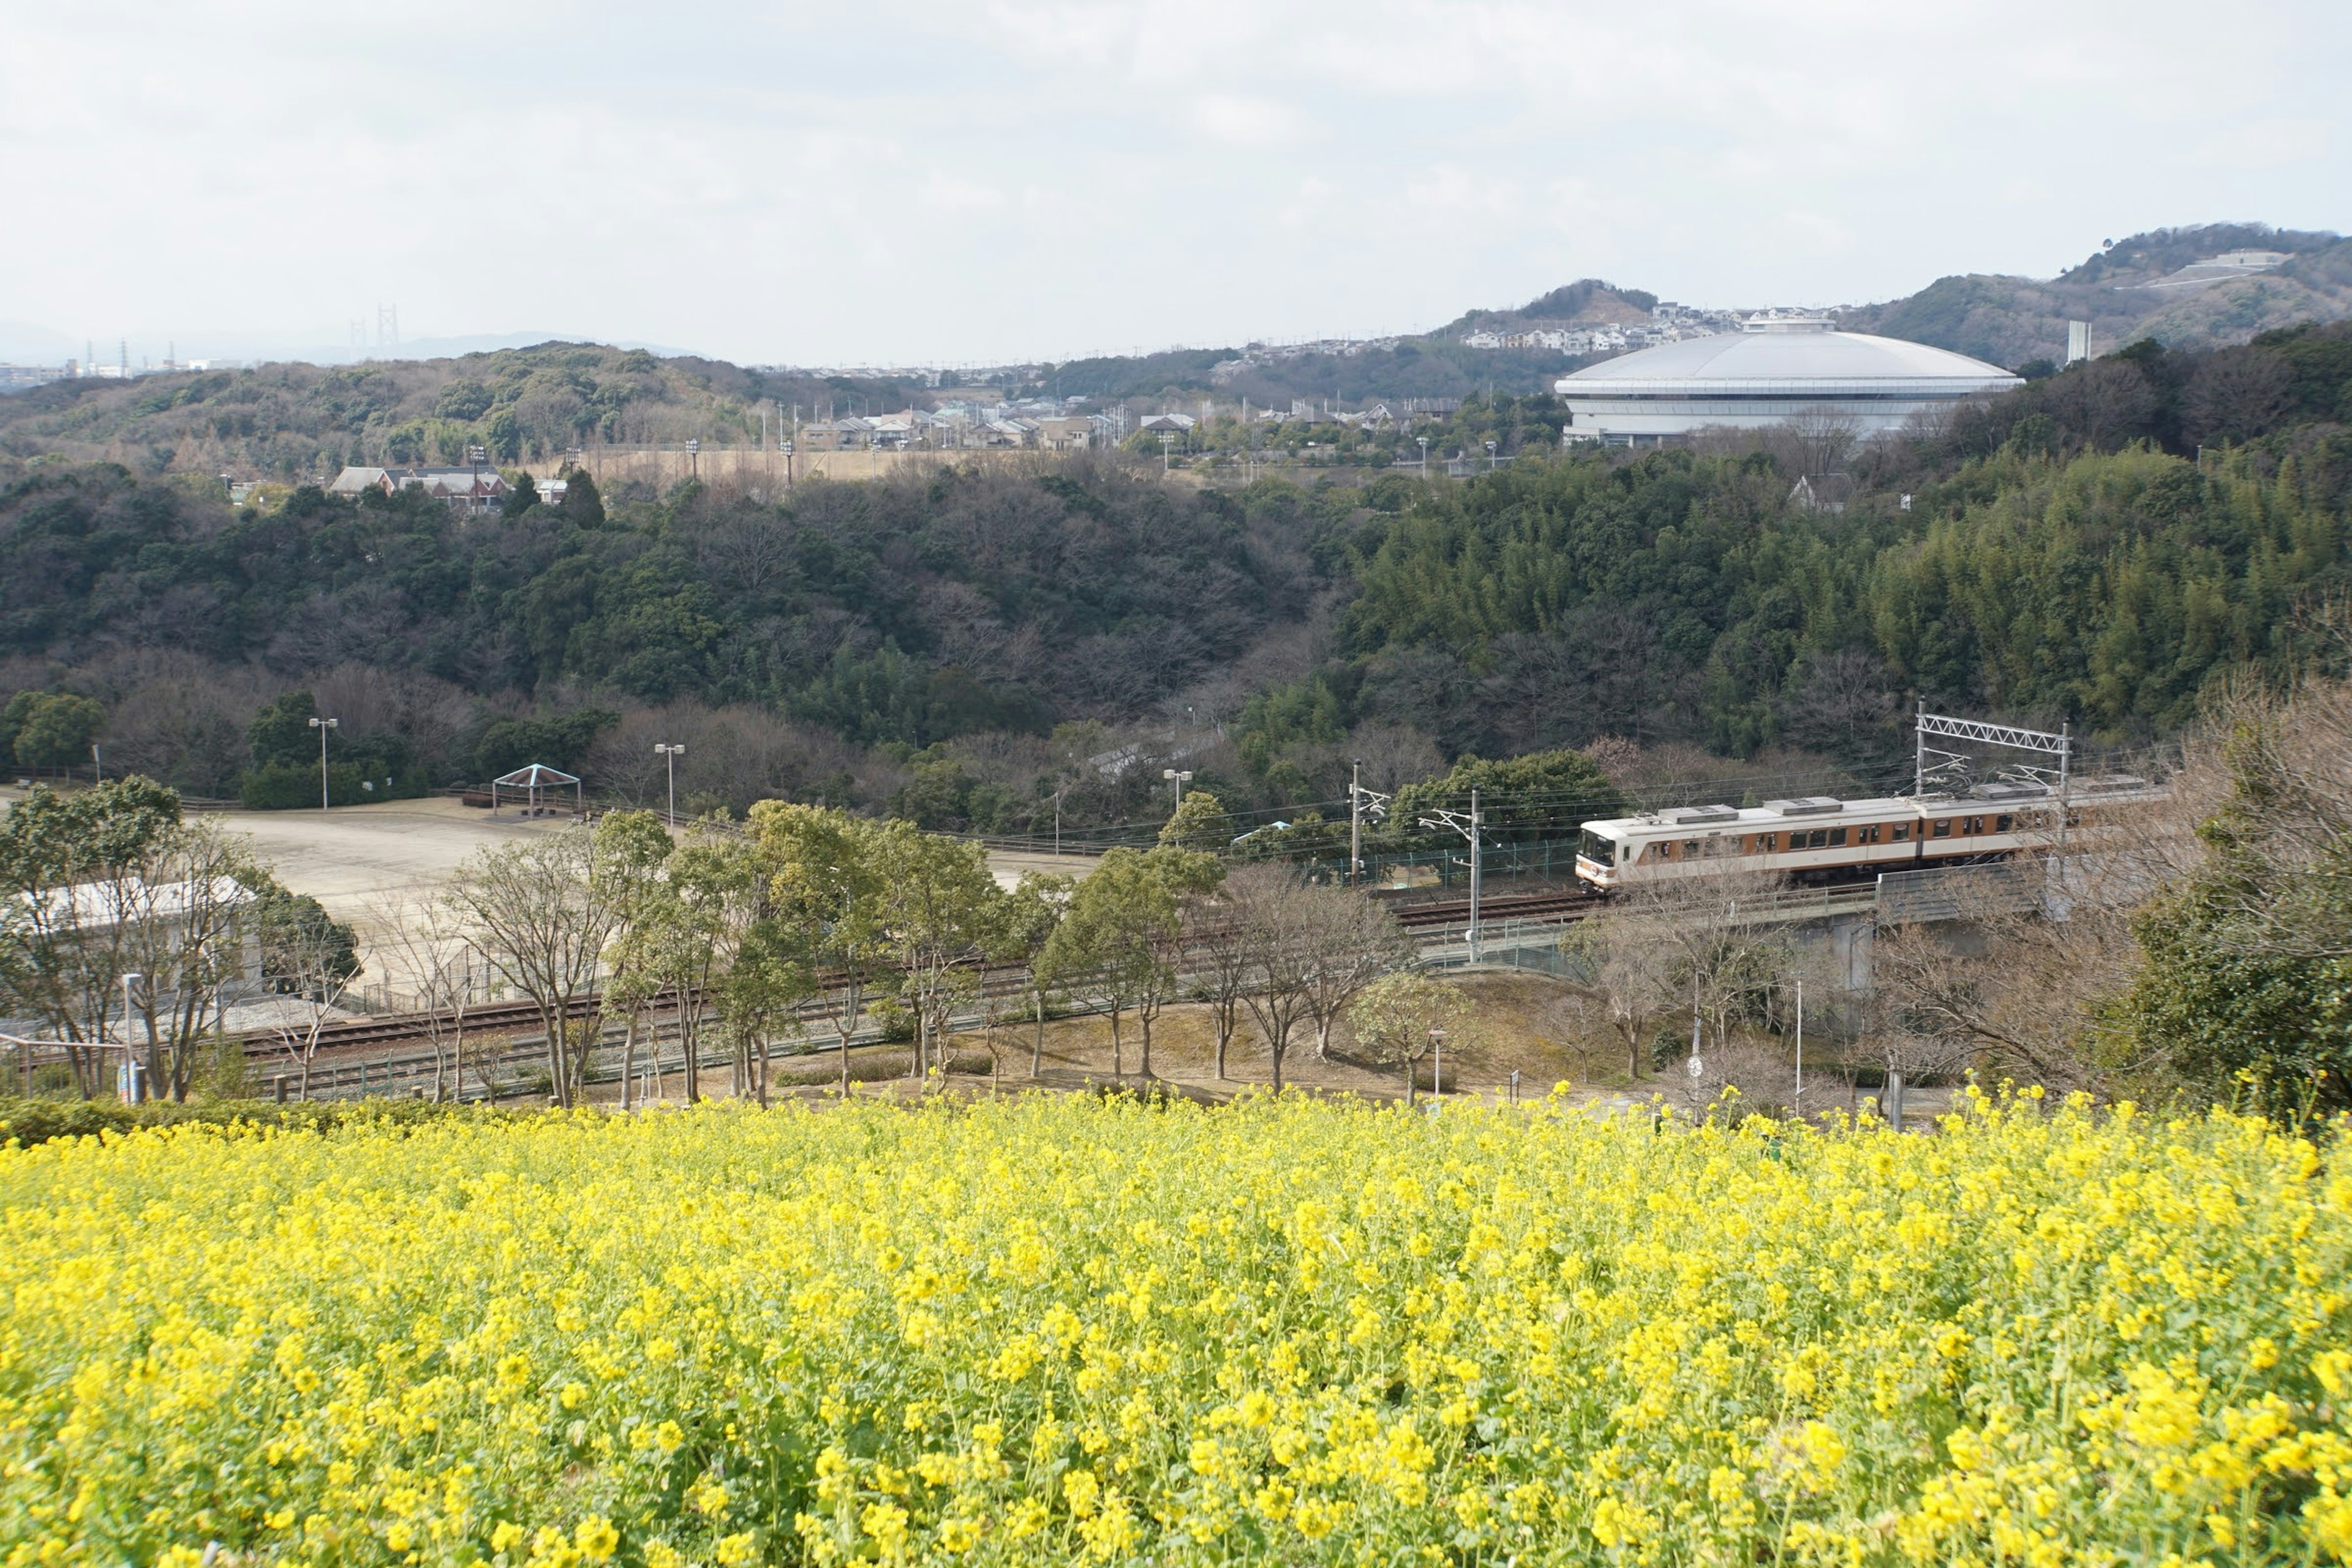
1817,839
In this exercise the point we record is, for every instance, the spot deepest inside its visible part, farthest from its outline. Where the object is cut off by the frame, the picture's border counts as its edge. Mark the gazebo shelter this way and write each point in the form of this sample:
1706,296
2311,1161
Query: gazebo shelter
530,783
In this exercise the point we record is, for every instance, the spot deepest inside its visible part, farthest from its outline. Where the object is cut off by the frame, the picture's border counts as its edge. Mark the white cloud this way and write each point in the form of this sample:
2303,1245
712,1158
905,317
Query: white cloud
1248,122
1023,176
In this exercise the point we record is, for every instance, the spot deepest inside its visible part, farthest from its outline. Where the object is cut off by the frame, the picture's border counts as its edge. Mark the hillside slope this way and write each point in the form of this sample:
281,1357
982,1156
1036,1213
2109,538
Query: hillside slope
2126,292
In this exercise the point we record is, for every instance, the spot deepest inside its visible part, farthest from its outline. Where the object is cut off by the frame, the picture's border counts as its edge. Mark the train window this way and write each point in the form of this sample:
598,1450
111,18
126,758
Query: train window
1768,841
2003,824
1902,831
1973,825
1868,835
1837,835
1944,828
1817,838
1690,847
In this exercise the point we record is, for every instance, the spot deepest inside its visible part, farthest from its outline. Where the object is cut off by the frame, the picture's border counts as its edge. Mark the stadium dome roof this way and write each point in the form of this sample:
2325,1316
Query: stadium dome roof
1777,369
1786,356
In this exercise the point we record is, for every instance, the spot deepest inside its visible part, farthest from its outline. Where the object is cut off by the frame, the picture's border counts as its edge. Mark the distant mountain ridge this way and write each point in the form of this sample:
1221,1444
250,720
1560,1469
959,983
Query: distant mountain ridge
2012,320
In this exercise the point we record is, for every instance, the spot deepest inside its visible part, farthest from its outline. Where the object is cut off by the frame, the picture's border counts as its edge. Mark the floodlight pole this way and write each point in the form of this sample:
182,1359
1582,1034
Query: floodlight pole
323,726
669,755
1180,778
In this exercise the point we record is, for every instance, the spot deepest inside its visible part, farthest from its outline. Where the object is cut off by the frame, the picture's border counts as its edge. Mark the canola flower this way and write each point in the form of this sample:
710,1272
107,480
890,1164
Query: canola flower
1060,1330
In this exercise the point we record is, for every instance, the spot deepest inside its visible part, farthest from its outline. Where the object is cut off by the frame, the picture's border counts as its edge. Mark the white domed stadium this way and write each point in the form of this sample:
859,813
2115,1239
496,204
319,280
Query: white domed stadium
1778,368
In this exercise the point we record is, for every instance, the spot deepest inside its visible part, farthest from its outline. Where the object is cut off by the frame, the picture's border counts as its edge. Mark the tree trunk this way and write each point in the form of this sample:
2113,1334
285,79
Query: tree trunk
763,1071
1323,1039
1893,1106
1412,1081
1037,1048
1225,1038
1274,1049
629,1053
559,1080
1145,1066
1118,1046
845,1062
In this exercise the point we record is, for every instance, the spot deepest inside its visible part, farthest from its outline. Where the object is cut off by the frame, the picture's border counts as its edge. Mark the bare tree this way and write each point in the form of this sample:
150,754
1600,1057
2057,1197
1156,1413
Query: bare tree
307,957
186,911
541,916
1264,902
428,943
1621,971
1222,958
1402,1017
1349,943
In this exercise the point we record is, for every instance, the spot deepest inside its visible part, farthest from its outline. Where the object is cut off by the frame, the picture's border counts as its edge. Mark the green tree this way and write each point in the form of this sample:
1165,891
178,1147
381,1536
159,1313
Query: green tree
935,906
827,872
281,732
1544,794
1026,924
633,852
520,498
54,730
1121,940
1199,824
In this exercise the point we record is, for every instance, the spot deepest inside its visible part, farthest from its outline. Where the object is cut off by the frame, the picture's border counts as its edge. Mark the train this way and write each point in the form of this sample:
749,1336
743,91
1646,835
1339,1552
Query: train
1819,840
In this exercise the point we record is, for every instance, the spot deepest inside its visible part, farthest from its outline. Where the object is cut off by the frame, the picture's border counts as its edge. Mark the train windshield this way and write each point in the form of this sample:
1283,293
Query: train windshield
1597,850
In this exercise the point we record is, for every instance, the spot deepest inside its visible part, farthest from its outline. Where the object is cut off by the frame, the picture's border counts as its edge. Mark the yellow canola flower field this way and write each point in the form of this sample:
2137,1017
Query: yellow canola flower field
1056,1330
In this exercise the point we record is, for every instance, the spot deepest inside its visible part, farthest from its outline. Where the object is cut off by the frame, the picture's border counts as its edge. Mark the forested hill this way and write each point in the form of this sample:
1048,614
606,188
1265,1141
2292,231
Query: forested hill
977,648
291,421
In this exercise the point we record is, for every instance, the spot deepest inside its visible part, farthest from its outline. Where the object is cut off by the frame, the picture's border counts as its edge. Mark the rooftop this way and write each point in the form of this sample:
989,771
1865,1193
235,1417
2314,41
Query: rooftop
1785,355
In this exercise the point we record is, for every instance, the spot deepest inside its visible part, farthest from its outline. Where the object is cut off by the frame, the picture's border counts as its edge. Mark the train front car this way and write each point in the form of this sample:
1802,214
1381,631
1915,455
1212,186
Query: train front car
1598,848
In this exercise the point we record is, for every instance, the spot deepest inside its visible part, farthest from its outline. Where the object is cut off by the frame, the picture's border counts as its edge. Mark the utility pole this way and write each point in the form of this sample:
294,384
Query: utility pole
1179,780
1361,803
1355,820
1799,1106
130,1055
323,726
669,756
1469,827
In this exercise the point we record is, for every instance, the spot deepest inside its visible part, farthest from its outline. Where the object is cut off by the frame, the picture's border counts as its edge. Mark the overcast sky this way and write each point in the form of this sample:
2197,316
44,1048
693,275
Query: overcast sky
856,184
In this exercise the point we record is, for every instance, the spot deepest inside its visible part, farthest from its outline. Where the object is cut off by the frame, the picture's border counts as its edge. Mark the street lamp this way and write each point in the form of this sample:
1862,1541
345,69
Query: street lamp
1424,452
323,726
1490,457
694,456
1436,1063
1167,444
669,755
1179,780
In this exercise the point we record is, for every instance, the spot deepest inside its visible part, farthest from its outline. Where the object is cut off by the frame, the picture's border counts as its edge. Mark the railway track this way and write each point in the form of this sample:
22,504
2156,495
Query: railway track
1416,916
490,1018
